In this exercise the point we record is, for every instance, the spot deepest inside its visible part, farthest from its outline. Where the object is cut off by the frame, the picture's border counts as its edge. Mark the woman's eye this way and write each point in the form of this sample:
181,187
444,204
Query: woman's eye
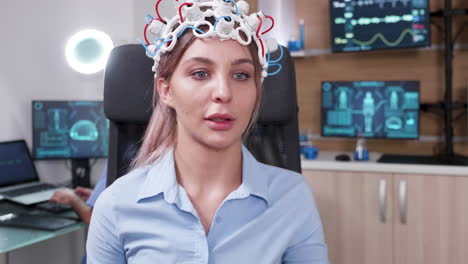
241,76
200,75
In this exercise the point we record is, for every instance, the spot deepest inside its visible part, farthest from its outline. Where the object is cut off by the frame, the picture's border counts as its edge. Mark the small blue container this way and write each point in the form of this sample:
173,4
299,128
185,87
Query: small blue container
310,152
294,45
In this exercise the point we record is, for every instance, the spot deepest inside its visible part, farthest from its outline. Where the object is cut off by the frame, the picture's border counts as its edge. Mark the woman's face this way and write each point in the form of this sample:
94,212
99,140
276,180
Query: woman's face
213,92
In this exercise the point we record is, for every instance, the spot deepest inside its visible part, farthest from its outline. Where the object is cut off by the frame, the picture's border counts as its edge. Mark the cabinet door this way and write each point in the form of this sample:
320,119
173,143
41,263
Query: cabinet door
348,204
436,226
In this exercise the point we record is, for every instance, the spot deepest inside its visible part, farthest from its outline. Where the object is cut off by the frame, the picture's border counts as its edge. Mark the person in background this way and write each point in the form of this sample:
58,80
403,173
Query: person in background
81,199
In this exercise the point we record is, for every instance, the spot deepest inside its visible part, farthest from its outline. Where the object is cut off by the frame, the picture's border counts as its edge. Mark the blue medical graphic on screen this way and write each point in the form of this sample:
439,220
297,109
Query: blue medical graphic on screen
373,109
69,129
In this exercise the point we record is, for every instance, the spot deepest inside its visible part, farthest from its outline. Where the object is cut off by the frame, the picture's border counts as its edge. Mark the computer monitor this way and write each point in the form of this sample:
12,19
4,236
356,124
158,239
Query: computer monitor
379,24
372,109
69,130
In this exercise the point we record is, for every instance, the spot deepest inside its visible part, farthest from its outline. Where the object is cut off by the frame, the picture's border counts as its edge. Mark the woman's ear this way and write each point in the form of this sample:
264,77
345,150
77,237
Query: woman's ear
164,91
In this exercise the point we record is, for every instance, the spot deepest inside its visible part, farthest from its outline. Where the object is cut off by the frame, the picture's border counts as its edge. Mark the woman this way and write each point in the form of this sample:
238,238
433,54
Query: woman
196,194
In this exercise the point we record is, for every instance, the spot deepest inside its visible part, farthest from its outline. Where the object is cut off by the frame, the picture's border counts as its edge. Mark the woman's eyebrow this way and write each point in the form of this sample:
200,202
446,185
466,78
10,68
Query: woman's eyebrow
241,61
202,60
210,62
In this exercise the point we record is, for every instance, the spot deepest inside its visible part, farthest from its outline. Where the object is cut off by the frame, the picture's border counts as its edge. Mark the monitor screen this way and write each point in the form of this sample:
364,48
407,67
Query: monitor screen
379,24
16,165
373,109
69,129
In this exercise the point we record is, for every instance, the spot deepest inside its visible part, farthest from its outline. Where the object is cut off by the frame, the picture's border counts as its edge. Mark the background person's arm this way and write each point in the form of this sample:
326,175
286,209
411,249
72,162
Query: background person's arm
83,193
68,197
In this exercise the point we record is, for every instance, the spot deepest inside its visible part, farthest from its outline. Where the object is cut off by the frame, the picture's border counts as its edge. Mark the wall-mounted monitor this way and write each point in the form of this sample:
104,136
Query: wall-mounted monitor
379,24
69,130
372,109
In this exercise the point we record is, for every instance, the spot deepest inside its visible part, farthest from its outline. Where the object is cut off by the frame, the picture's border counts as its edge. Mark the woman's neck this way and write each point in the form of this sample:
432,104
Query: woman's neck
201,170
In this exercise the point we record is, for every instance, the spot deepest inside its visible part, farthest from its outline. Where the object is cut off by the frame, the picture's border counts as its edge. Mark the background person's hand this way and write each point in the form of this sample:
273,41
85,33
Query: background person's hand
83,193
64,196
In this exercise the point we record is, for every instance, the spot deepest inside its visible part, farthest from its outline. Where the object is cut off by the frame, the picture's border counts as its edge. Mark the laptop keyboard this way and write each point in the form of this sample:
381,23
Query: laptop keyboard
54,207
27,190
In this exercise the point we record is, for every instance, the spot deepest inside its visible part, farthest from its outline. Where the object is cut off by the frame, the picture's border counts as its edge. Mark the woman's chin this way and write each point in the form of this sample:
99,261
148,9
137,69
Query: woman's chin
221,142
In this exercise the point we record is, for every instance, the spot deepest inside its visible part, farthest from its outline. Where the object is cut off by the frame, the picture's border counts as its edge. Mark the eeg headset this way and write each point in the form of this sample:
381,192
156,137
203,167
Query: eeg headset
231,22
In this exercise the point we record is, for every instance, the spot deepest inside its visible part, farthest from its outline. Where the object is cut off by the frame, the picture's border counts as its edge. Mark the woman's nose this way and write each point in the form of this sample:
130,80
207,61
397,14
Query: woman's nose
222,91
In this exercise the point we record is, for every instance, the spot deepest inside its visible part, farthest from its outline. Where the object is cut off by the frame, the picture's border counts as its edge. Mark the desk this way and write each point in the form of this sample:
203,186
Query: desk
13,238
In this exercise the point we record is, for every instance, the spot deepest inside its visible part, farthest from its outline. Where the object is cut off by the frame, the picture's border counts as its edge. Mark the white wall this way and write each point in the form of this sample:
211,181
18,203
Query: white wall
33,66
288,29
146,7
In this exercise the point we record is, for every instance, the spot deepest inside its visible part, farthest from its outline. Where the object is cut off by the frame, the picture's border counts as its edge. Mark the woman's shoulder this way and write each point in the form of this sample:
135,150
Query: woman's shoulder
288,189
282,182
132,177
127,185
277,175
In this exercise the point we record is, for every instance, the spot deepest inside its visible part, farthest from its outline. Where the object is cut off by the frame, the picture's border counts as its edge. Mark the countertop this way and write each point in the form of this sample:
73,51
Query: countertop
326,161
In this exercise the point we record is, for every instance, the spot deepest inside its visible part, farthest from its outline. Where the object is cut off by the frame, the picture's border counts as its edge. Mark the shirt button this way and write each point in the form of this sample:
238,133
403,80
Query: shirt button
218,219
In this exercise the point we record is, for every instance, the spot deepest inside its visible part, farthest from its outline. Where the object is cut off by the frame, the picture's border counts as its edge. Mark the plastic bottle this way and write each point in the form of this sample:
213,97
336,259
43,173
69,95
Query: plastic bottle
302,34
361,153
309,150
302,141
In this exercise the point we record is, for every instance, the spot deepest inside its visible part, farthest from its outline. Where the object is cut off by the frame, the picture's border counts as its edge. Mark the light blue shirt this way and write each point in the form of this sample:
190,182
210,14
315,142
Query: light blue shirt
147,217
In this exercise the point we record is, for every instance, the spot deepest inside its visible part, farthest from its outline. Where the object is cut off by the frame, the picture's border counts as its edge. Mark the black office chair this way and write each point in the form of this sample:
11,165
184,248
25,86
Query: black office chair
128,93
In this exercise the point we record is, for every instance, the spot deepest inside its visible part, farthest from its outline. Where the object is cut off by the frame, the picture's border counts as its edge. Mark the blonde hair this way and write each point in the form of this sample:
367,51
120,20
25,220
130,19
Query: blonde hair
160,134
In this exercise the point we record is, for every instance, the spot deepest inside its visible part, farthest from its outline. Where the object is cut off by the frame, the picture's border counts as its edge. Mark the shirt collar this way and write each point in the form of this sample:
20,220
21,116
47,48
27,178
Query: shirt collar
161,178
254,180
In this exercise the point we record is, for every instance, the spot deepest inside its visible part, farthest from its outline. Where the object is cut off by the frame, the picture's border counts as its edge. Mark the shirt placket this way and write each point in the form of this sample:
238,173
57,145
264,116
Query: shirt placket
200,243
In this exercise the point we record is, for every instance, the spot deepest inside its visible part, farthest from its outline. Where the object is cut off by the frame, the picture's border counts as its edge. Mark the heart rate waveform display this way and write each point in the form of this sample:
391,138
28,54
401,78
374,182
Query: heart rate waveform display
69,129
358,25
373,109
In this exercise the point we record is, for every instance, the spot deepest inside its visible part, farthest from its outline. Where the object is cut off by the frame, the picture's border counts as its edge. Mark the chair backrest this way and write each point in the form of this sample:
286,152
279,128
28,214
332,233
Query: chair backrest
128,94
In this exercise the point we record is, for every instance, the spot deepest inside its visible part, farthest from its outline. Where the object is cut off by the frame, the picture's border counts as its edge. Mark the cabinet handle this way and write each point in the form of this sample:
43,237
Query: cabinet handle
402,196
382,200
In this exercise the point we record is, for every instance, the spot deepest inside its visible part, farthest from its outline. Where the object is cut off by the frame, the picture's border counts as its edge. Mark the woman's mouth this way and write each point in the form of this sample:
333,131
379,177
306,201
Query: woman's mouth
220,122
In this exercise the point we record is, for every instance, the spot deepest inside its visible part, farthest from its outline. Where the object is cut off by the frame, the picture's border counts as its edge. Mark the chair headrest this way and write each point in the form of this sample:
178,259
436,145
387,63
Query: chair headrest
128,88
128,85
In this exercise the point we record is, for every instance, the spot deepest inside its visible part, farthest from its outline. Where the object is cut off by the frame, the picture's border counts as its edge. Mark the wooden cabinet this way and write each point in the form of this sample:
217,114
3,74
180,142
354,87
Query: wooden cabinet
348,203
436,226
390,218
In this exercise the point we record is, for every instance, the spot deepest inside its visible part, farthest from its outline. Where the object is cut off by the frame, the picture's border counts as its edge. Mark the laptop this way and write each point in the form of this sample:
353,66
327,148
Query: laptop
44,222
19,181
